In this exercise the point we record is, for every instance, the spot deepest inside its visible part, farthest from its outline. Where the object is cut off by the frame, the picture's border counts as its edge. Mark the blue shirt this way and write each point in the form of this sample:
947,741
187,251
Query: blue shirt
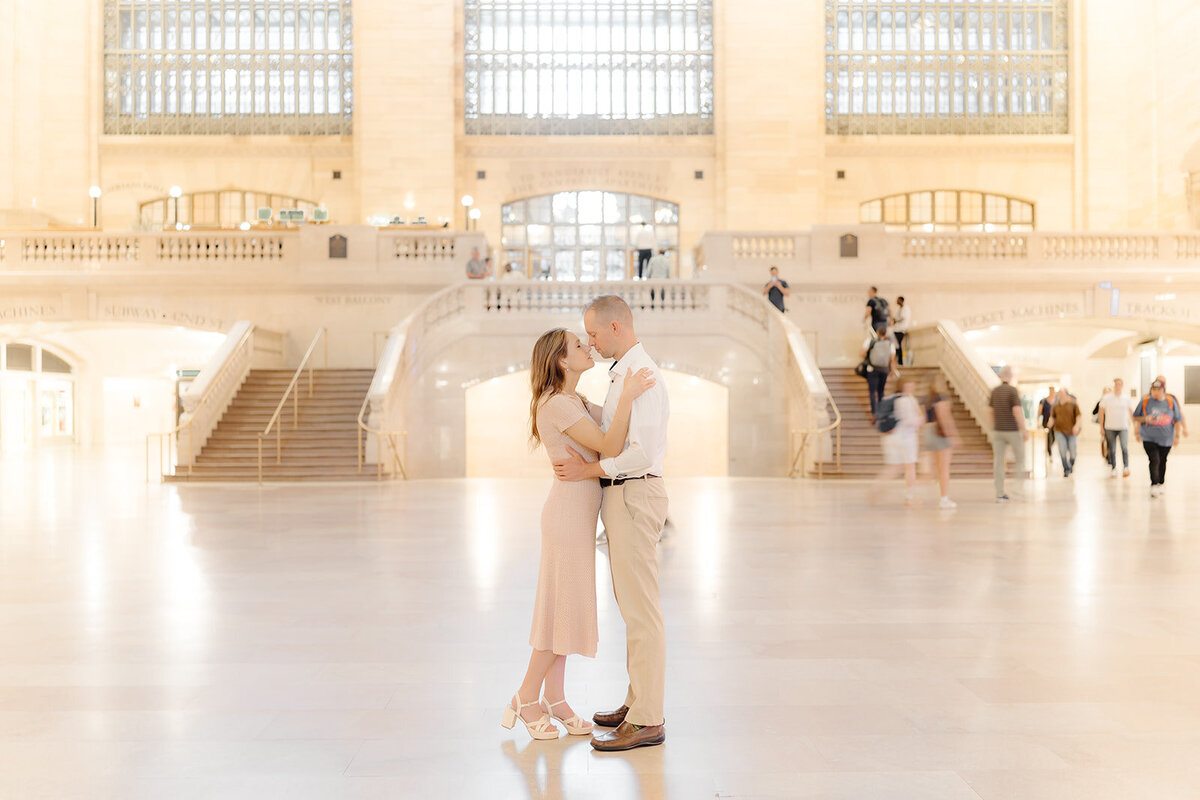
1158,418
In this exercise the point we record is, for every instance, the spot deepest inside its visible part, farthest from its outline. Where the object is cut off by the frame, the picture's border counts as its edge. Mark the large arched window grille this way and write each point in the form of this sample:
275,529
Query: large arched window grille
950,210
226,208
946,66
228,67
584,235
588,66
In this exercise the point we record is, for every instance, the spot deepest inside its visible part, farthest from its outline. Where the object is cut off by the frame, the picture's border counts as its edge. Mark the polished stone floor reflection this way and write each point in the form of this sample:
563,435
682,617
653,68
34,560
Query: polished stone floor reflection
360,641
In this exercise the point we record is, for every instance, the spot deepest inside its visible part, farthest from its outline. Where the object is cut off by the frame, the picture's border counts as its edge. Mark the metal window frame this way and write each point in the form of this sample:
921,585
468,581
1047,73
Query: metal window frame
908,223
694,67
166,70
954,72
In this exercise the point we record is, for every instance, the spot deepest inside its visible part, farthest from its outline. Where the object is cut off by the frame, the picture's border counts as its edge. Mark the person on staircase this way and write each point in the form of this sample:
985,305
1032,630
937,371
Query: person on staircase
879,360
900,322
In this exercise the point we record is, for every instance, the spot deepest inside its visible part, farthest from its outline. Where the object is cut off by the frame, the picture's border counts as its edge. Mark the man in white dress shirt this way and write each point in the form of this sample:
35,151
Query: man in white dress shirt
634,510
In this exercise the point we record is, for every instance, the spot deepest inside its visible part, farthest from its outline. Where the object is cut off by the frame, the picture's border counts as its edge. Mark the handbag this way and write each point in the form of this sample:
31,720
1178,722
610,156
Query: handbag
863,368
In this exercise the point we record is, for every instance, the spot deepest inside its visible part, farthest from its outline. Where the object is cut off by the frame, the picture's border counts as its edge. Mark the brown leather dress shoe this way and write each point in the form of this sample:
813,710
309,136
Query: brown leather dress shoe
628,736
610,719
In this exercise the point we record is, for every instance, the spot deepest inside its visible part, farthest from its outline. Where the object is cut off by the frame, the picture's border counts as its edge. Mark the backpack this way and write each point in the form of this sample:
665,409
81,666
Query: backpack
1170,398
880,357
885,414
880,313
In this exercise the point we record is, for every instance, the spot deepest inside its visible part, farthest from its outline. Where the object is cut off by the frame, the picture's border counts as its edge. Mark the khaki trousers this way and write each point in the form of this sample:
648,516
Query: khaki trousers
633,515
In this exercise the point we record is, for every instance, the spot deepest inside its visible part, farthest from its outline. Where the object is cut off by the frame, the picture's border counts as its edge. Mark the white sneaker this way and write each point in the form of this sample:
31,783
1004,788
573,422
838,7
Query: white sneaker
946,502
1116,473
1155,491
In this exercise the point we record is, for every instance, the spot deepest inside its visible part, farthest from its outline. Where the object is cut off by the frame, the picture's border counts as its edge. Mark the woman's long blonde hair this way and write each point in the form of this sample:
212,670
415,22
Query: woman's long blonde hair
546,374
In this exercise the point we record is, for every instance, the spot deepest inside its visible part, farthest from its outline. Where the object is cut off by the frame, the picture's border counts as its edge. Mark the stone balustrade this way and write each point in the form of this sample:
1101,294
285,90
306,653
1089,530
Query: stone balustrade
869,253
421,258
715,331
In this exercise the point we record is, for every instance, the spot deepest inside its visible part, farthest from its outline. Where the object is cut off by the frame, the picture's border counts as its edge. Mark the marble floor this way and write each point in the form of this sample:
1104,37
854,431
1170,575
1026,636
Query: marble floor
359,641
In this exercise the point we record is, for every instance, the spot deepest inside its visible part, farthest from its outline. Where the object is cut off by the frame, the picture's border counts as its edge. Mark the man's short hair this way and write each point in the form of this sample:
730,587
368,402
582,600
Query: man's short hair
609,307
774,269
874,289
1006,373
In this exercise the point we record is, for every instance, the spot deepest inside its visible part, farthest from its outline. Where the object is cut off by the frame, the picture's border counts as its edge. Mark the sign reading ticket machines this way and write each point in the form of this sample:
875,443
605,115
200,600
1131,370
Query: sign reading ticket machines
291,215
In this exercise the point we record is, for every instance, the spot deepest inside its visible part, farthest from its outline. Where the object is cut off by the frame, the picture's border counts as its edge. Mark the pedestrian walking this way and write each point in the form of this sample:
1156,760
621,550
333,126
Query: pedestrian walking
1158,419
1008,431
1065,419
1116,412
940,434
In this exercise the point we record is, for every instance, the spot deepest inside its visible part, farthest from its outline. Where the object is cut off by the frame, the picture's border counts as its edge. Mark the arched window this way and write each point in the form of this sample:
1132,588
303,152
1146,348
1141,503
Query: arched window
932,66
584,235
950,210
221,67
226,208
588,66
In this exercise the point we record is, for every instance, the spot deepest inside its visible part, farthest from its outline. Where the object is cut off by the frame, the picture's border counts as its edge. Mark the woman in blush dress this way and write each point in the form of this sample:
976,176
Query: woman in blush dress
564,610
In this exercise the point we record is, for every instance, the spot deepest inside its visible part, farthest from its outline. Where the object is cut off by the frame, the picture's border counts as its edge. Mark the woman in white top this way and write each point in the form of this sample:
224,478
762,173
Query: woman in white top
900,446
900,328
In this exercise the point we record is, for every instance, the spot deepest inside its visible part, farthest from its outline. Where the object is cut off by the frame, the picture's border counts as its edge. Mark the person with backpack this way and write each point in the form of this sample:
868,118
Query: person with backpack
878,356
877,310
1182,420
899,424
1158,422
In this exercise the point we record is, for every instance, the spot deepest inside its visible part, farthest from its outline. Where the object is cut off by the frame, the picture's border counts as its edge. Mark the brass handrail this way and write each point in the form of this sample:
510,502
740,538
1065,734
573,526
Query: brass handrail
809,432
166,437
306,361
364,430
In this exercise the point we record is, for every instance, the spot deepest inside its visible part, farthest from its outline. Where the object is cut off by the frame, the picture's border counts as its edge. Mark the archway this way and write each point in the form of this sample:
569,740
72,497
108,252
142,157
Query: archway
497,446
584,235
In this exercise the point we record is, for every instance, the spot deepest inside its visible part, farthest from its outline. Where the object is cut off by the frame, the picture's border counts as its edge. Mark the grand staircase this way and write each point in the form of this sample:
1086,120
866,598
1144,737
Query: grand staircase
862,455
323,447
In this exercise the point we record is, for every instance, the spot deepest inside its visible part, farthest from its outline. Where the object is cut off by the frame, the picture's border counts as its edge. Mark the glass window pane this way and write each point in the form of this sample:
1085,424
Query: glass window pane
20,357
565,207
565,236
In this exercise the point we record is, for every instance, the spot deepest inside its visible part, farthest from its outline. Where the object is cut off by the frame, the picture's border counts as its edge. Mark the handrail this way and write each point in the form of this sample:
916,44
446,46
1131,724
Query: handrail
210,391
797,345
942,344
365,430
305,361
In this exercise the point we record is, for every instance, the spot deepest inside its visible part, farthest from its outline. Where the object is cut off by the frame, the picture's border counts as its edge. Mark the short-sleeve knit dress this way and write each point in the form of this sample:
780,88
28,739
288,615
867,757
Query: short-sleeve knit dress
564,610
